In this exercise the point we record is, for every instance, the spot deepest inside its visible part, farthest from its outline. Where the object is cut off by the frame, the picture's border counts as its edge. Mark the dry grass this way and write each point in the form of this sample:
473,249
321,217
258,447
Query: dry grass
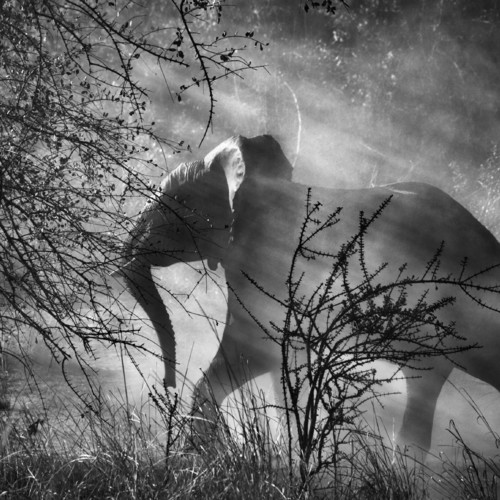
119,454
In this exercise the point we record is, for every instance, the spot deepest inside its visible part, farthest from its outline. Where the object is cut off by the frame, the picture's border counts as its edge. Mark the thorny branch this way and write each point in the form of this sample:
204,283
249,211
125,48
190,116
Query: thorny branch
77,138
333,331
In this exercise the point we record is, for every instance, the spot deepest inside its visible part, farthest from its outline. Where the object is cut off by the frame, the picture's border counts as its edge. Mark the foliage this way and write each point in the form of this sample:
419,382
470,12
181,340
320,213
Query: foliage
330,6
76,137
479,189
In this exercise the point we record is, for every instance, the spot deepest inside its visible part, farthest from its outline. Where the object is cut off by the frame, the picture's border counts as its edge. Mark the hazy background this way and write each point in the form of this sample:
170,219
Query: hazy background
385,91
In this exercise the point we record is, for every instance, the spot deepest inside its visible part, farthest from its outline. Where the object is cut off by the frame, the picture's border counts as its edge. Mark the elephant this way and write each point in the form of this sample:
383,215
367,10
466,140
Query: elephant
239,207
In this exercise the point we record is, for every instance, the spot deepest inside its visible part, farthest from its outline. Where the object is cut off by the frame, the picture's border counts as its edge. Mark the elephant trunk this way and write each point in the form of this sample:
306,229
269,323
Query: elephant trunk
139,282
188,220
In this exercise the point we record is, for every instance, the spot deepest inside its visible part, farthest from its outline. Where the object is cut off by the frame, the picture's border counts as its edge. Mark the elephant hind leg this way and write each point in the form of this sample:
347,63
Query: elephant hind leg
423,390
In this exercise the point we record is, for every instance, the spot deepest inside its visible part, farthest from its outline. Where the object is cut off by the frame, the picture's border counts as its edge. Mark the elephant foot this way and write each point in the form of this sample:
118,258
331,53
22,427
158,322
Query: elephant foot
207,427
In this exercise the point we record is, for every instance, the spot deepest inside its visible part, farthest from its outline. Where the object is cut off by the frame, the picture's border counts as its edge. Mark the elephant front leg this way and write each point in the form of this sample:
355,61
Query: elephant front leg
207,399
229,371
220,380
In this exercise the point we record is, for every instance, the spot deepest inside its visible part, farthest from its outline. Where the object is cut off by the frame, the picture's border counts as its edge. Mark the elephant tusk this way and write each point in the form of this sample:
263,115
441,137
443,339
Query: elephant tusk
212,263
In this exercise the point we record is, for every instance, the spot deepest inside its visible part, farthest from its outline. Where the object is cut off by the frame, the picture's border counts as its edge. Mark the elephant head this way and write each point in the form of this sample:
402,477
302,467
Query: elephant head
191,219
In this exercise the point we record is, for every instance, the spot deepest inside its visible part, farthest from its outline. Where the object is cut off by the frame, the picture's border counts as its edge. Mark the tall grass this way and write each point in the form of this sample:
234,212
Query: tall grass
131,454
120,453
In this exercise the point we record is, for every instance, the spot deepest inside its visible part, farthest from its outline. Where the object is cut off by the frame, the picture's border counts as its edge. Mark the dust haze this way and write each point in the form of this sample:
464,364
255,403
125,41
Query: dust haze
383,92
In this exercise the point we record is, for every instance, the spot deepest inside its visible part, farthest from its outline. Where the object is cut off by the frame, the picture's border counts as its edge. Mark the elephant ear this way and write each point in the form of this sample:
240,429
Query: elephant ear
265,159
228,157
242,158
